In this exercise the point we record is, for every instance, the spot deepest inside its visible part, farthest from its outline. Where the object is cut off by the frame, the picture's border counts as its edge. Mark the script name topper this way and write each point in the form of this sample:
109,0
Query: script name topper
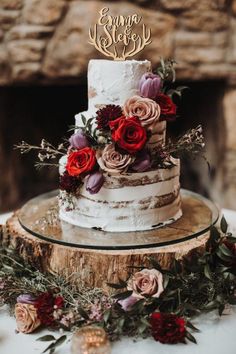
118,39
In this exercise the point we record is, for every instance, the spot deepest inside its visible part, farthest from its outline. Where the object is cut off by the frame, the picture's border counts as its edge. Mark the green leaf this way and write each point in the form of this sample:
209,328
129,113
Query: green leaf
84,121
46,338
122,296
60,341
106,315
231,239
207,272
83,313
190,325
223,225
225,250
190,337
50,348
166,281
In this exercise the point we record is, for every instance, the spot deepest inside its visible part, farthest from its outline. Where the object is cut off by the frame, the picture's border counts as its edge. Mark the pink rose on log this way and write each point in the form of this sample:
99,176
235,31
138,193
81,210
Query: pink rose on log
146,283
147,110
26,318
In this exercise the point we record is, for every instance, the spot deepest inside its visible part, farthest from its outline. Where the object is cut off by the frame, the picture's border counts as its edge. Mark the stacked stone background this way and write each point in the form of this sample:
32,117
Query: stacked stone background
45,42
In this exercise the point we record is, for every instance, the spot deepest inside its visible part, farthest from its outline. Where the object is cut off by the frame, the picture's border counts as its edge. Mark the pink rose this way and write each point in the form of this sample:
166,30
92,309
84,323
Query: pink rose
147,110
26,318
147,282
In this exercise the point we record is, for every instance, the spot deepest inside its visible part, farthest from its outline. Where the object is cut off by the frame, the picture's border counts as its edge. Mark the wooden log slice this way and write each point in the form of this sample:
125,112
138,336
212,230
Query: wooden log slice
96,267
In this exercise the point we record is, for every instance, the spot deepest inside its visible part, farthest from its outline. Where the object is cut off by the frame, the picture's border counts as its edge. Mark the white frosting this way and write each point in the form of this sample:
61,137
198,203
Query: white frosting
131,207
113,82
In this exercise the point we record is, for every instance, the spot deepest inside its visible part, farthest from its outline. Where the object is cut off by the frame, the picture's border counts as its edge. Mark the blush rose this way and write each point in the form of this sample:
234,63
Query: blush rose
147,110
146,283
113,161
26,317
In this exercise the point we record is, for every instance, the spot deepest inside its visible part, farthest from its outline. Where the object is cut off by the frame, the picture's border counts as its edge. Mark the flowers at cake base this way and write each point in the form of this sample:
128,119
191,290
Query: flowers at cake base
145,109
128,134
146,283
81,161
168,328
112,161
45,305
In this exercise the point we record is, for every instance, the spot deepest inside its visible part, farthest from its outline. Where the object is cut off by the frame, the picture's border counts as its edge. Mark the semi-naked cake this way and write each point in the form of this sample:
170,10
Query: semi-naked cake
114,153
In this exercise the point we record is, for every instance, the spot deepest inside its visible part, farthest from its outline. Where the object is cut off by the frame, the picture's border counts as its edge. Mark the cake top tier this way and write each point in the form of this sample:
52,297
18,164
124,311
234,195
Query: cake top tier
112,82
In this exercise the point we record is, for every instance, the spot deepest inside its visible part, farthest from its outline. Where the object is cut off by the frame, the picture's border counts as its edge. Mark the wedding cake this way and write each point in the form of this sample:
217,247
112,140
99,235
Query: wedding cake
115,176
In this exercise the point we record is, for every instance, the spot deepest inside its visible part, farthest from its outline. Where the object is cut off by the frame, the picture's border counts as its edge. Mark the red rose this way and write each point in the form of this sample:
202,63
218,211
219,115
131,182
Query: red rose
81,161
168,108
128,134
168,328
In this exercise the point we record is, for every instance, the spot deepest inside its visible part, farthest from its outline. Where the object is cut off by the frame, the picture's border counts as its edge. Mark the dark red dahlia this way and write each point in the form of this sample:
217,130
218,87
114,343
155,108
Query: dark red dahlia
45,305
69,183
168,328
107,114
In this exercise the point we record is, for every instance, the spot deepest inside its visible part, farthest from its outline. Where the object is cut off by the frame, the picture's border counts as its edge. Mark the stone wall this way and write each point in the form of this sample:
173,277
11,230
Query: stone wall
45,42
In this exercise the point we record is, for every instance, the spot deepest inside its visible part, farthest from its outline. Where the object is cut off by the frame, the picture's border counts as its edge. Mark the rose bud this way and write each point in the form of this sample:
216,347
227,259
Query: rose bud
150,85
78,140
127,303
94,182
26,299
142,162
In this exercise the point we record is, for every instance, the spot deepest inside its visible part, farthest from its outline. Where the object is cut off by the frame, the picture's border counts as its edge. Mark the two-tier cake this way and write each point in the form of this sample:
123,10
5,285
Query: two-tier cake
114,177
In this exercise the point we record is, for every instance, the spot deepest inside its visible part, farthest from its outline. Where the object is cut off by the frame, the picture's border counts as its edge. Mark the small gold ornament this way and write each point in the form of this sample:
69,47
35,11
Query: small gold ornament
90,340
118,39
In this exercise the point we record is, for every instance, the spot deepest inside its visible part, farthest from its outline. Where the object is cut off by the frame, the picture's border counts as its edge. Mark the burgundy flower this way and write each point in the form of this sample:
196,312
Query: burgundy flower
45,306
69,183
168,328
168,108
150,85
107,114
78,140
94,182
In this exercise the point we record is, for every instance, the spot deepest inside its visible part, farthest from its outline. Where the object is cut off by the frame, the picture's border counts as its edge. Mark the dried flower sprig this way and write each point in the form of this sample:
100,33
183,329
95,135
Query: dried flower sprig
46,151
192,143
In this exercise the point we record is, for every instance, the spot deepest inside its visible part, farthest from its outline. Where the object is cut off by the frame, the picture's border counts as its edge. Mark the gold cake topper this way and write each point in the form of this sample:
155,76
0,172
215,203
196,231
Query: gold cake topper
118,39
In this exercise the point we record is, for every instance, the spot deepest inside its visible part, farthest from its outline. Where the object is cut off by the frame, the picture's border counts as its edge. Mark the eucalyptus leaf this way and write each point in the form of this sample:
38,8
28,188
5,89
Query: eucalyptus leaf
46,338
190,337
122,296
83,118
223,225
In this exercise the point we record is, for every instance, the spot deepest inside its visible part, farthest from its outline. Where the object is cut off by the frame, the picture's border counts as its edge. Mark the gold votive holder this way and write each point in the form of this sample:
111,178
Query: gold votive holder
90,340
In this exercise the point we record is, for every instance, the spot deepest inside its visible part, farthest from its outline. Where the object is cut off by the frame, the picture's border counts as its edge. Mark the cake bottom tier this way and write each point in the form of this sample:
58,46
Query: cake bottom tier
131,202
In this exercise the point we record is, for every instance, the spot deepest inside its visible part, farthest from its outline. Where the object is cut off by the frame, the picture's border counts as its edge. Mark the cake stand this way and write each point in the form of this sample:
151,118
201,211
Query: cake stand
95,257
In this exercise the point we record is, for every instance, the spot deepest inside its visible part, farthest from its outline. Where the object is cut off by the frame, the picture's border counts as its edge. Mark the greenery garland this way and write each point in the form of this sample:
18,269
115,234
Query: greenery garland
199,283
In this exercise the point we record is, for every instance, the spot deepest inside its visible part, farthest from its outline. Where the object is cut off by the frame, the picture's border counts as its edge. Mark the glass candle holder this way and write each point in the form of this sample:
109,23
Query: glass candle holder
90,340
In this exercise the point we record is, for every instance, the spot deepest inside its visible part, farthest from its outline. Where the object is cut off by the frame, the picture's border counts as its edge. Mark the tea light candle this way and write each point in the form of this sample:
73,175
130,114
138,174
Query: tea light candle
90,340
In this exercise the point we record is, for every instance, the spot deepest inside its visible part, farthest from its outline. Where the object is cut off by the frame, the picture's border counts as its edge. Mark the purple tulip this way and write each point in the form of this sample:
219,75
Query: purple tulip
150,85
94,182
142,162
78,140
26,299
127,303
